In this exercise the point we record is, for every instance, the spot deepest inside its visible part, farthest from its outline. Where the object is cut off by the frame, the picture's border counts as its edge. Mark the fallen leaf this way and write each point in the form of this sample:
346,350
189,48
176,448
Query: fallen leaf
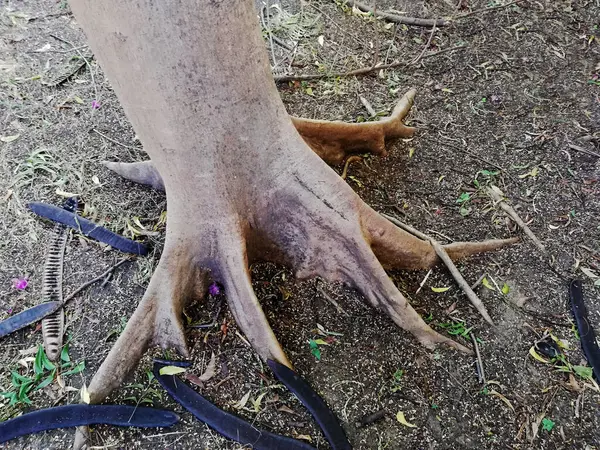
256,403
171,370
547,424
8,139
65,193
210,369
321,40
411,152
583,371
536,356
285,409
439,289
487,284
243,401
95,179
503,398
304,437
85,395
45,48
400,418
195,379
590,273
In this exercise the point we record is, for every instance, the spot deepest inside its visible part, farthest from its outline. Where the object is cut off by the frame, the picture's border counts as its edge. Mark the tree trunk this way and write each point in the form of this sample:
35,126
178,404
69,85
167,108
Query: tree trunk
241,183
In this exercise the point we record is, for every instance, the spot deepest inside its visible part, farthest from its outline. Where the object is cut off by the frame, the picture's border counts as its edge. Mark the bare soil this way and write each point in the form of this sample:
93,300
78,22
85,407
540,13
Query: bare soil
519,99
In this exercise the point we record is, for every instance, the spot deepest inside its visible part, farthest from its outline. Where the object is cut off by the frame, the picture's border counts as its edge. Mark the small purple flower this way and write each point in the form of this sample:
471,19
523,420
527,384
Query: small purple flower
95,104
214,289
20,283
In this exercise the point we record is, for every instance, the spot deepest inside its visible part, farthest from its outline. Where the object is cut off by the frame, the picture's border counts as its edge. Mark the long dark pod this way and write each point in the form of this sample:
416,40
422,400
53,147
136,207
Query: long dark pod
27,317
314,403
79,415
221,421
87,228
586,332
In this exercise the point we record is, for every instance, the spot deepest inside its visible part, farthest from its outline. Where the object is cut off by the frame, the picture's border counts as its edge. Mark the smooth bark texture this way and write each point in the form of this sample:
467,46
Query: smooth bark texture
241,182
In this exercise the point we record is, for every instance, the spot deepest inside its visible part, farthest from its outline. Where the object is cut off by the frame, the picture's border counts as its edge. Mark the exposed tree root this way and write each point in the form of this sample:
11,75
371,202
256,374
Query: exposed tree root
332,141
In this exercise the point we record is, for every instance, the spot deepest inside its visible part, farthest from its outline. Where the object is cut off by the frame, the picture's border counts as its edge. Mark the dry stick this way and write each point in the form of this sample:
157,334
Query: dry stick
484,10
332,301
114,141
424,281
443,255
349,161
499,200
418,58
399,19
480,372
89,66
577,148
363,70
95,280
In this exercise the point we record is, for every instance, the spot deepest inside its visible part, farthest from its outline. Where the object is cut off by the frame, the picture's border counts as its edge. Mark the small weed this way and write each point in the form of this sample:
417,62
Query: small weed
38,163
456,328
39,376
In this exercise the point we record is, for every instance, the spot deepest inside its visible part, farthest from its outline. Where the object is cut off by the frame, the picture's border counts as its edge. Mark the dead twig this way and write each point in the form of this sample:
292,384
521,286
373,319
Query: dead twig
498,197
479,362
415,21
577,148
89,66
332,301
114,141
424,281
95,280
485,10
418,58
349,161
443,255
363,70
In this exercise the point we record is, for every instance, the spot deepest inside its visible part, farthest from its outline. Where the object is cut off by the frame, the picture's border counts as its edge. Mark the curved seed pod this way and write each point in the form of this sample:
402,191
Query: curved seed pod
586,332
222,422
78,415
27,317
87,228
314,403
53,325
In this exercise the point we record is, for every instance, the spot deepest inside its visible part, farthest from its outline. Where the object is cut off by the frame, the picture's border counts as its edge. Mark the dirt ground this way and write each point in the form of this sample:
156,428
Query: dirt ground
515,104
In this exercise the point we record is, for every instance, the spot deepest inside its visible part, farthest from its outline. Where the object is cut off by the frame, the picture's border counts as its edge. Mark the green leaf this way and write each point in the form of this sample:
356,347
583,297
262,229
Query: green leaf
398,374
38,365
171,370
464,197
78,368
583,371
48,380
505,289
487,284
547,424
439,289
17,379
314,349
320,342
64,354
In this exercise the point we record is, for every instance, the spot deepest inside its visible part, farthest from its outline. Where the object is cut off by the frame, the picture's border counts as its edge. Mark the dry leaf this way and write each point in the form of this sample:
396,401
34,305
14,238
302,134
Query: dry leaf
590,273
285,409
400,418
85,395
210,369
256,403
439,289
171,370
8,139
243,401
194,379
503,398
536,355
321,40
